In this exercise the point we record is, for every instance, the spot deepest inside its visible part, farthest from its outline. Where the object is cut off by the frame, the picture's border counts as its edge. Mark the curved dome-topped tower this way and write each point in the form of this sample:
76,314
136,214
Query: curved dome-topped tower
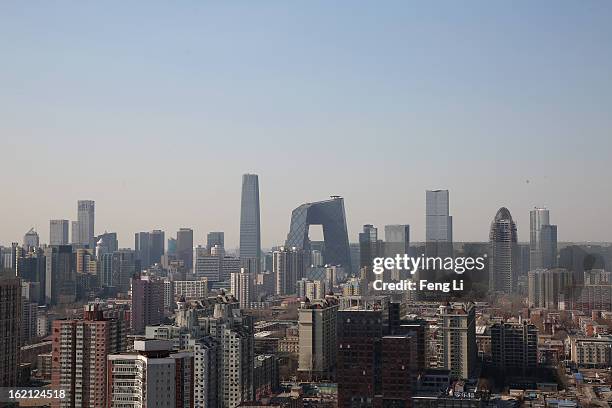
502,265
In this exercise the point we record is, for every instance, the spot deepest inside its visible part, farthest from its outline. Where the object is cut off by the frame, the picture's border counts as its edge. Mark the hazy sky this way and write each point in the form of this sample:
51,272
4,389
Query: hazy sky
155,109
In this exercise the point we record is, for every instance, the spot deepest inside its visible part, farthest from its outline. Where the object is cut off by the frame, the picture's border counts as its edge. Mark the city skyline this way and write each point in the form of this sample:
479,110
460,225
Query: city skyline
306,204
200,237
502,104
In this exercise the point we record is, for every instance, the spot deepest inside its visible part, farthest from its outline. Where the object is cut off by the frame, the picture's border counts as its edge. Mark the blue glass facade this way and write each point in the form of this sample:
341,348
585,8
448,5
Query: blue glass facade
331,216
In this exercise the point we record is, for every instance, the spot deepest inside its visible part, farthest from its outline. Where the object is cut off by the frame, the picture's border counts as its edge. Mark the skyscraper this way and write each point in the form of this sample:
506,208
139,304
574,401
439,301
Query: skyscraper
438,224
397,239
150,376
205,354
157,242
542,240
60,275
288,266
503,239
86,220
149,247
250,236
74,233
79,352
548,235
10,324
379,357
58,232
241,286
110,241
171,246
331,216
184,247
30,239
370,247
317,337
233,332
142,248
147,303
397,242
549,288
457,339
215,238
514,347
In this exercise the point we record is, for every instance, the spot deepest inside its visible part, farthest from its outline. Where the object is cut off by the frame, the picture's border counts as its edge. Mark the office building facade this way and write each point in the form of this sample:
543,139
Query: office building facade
250,234
503,240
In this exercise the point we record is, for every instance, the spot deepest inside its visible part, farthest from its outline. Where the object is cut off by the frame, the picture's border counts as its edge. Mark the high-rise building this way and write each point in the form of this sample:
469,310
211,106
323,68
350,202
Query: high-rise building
241,286
315,290
110,241
31,291
60,275
456,336
106,270
149,247
86,221
151,376
549,288
58,232
171,247
438,222
233,332
542,240
397,239
124,268
29,321
147,303
370,247
79,351
288,266
250,235
157,242
265,376
355,253
317,338
548,235
31,267
207,265
74,233
205,355
10,324
397,242
142,248
30,239
331,216
184,247
514,347
83,261
215,238
214,266
503,240
379,356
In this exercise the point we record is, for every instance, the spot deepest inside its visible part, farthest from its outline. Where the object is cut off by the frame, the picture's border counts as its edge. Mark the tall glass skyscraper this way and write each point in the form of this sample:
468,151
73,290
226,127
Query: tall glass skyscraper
86,217
331,216
542,240
250,237
215,238
58,232
503,239
438,224
184,247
